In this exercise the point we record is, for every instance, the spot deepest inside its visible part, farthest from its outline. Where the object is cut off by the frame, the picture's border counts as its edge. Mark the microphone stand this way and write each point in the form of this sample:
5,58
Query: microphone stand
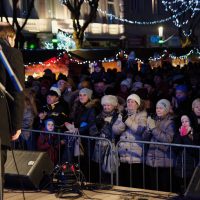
5,92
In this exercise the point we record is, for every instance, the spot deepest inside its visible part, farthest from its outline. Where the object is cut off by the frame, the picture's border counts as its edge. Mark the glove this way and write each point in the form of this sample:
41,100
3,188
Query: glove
108,119
70,127
150,123
124,116
184,130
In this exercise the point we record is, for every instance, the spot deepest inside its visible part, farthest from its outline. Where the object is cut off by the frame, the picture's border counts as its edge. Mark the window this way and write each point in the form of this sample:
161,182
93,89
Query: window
111,10
134,5
25,5
154,6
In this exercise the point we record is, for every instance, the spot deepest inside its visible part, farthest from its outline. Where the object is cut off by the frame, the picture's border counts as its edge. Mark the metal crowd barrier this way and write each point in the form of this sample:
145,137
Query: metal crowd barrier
114,177
72,135
171,146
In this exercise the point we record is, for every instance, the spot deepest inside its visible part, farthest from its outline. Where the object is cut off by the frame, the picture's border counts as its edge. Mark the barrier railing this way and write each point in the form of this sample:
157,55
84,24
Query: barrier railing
82,137
114,178
172,149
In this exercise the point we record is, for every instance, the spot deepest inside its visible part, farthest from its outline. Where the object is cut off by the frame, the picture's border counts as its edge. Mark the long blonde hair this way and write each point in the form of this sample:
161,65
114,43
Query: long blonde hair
30,101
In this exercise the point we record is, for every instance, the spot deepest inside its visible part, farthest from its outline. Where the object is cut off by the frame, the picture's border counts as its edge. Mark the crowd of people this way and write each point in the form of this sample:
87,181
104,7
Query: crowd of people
157,105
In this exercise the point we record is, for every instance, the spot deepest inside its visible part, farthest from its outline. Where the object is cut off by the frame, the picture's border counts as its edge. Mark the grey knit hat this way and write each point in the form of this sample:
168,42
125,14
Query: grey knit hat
86,91
164,103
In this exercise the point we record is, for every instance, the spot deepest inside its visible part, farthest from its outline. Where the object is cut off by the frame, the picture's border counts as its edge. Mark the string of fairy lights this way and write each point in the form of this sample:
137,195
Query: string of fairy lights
174,6
182,11
157,57
174,16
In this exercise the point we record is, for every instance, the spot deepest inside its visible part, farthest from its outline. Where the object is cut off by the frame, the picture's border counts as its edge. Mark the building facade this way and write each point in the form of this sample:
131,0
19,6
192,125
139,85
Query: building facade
113,26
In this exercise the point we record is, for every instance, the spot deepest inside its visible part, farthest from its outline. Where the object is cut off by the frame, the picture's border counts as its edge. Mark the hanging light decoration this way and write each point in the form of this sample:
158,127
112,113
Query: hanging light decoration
182,21
175,6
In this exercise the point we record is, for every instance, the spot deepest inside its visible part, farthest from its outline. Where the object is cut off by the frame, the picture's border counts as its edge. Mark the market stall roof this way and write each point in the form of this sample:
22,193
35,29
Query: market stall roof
93,54
39,55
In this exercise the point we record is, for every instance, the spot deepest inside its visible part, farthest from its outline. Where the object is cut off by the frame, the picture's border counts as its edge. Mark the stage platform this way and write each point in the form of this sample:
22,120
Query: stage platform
114,193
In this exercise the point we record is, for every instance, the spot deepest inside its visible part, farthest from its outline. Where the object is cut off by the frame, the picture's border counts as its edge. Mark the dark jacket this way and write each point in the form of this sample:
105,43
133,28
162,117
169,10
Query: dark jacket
11,111
83,116
55,112
185,157
196,128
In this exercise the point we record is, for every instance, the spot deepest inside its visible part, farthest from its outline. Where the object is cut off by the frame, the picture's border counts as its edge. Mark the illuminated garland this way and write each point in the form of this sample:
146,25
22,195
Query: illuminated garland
192,52
177,7
184,6
174,6
173,17
155,58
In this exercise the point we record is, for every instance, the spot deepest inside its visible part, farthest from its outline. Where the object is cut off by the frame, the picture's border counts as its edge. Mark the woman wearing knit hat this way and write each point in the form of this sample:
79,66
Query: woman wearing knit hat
83,117
132,127
163,107
160,158
85,95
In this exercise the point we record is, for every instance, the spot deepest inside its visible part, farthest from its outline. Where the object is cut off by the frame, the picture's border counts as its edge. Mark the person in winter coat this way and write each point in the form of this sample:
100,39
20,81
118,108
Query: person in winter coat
195,121
185,157
98,74
131,154
82,118
160,158
181,102
106,123
48,142
54,109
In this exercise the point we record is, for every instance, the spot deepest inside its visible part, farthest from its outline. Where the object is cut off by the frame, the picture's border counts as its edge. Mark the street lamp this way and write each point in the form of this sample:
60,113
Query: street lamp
54,26
160,34
54,29
160,31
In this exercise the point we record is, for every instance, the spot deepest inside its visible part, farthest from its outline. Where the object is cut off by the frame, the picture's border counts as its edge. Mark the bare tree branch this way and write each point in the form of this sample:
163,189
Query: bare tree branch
75,8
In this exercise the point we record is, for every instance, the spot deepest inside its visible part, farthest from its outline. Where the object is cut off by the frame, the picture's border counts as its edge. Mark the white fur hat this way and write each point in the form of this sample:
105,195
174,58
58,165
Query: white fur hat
109,99
134,97
164,103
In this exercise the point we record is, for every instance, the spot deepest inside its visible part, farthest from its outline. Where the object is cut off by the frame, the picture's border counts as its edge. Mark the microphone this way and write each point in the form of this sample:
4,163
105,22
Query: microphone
12,75
3,89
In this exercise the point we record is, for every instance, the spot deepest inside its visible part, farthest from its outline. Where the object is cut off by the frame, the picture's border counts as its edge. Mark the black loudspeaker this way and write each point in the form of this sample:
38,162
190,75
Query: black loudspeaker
193,189
32,167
